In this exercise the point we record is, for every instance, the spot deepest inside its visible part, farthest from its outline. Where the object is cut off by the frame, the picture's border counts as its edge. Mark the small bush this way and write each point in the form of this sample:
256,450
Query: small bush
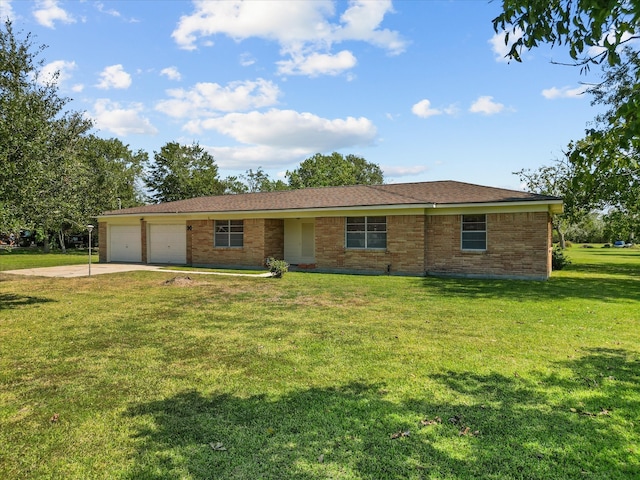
277,267
559,259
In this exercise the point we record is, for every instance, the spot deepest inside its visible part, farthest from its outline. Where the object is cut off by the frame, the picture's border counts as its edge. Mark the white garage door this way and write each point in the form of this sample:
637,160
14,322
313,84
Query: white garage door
168,244
124,243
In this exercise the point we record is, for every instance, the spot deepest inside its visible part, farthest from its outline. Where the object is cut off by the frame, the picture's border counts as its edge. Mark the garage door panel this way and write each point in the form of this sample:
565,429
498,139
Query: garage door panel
125,243
168,244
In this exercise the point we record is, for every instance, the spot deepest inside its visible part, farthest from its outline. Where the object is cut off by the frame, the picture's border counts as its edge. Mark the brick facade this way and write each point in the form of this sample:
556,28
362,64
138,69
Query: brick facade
102,247
404,253
518,246
262,238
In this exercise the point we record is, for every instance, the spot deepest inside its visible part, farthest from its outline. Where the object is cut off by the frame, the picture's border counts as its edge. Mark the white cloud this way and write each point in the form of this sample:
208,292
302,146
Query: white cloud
111,116
48,11
246,59
400,171
204,99
172,73
500,48
486,106
423,109
114,76
452,109
317,64
61,68
361,21
6,10
241,158
109,11
290,129
78,87
564,92
302,29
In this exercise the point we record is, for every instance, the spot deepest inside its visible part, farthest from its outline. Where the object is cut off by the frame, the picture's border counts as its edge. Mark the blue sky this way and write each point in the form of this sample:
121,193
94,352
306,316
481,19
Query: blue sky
420,88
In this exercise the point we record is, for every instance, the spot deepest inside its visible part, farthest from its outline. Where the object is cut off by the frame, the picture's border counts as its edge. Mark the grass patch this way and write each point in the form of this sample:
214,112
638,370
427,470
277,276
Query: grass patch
19,258
311,376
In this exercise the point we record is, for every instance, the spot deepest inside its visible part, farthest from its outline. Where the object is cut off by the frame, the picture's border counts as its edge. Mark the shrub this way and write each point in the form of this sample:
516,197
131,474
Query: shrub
277,267
558,259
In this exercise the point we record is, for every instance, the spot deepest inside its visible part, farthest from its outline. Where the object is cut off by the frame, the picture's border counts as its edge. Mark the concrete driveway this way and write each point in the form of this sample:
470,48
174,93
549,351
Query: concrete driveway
70,271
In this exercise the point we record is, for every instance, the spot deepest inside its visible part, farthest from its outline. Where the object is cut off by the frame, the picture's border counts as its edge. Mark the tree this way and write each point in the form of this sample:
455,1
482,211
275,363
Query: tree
605,162
114,174
180,172
554,180
259,181
39,167
580,24
334,170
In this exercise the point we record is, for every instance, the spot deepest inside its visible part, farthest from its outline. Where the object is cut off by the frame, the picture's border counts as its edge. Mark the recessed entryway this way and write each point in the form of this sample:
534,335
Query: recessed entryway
299,241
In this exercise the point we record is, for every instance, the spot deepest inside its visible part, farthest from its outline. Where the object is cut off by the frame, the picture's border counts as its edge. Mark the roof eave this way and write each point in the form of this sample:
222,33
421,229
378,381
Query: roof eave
554,206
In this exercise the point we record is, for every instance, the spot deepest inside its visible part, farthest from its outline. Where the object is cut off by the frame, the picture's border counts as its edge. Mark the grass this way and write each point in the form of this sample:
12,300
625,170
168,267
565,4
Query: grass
310,376
18,258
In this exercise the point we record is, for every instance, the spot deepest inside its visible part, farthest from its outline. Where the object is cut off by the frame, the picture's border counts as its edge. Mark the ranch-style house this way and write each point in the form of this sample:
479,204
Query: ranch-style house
429,228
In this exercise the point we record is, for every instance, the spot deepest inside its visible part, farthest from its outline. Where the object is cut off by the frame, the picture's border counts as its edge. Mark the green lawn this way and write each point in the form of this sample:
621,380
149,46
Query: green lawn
12,259
316,376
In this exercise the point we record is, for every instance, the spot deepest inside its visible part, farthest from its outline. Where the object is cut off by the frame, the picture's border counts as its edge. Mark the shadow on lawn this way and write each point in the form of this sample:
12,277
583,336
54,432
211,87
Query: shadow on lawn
9,300
576,425
604,289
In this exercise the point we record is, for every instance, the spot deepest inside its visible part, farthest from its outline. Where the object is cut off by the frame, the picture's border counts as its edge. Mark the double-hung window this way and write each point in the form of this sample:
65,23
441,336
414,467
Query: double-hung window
228,233
474,232
367,232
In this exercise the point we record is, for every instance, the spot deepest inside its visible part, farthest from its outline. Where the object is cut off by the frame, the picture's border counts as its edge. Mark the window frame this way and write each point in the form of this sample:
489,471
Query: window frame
369,232
472,230
230,234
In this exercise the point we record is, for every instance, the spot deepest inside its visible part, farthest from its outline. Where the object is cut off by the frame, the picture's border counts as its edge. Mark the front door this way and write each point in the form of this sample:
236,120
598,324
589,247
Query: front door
299,241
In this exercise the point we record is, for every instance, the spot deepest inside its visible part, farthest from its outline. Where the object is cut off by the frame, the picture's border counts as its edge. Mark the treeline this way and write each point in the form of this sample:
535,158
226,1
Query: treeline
56,176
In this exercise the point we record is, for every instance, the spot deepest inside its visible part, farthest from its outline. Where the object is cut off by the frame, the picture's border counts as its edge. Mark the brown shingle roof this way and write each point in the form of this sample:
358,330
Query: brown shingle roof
440,192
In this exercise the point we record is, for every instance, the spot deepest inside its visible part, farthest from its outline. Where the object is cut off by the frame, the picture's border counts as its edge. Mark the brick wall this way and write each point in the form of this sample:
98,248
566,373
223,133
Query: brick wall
143,239
102,247
262,238
518,245
404,253
274,238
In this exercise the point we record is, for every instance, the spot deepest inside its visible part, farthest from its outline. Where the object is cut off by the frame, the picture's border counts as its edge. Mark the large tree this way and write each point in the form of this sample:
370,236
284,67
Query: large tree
179,172
334,170
605,171
592,29
554,180
606,160
114,174
40,171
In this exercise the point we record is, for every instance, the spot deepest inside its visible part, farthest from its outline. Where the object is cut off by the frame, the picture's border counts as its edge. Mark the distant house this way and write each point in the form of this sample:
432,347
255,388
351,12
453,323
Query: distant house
432,228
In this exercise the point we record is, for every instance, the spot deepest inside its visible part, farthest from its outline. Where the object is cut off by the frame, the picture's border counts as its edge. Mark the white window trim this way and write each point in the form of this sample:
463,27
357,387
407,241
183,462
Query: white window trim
462,232
229,233
366,233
